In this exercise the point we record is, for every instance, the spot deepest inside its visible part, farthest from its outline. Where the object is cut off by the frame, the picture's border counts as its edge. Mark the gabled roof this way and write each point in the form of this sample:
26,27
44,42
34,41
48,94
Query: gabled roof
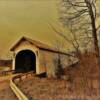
38,44
34,42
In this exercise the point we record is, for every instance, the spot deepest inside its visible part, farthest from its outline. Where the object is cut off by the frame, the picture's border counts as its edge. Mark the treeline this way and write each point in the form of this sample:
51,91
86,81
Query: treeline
5,63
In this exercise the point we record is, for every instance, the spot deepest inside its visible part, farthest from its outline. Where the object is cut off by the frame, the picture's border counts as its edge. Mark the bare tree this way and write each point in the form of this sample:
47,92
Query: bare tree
74,40
81,17
59,71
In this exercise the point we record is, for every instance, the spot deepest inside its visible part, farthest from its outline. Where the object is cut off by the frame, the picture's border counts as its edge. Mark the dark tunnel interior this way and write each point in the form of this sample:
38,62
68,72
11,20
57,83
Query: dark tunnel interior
25,61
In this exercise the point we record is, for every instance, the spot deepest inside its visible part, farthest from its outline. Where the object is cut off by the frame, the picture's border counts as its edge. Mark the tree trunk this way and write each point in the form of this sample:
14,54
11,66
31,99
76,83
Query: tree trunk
94,31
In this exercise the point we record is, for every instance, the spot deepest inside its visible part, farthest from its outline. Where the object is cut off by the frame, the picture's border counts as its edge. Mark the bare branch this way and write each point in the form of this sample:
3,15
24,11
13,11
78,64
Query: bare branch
98,27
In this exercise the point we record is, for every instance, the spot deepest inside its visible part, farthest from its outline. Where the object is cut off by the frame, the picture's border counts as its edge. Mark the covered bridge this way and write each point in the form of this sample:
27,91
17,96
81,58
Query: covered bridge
31,55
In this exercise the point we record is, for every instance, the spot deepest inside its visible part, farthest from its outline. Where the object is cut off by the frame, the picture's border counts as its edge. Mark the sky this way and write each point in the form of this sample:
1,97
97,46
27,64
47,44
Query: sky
29,18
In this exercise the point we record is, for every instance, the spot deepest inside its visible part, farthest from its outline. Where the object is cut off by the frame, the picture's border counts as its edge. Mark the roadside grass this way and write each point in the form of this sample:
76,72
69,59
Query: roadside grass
82,83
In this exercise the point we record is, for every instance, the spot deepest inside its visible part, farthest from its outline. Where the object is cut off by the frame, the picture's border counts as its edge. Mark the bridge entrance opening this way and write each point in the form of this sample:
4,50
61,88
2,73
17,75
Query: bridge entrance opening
25,61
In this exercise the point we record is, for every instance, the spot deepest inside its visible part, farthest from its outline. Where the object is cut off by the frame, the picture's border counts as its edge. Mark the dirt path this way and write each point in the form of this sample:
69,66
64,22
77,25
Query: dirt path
5,91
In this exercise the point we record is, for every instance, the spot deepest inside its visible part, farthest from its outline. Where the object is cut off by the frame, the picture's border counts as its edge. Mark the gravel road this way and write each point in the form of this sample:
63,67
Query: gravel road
5,91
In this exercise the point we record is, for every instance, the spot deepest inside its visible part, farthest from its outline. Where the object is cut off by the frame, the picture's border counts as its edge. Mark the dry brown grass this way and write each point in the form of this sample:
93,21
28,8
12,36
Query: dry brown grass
5,91
82,83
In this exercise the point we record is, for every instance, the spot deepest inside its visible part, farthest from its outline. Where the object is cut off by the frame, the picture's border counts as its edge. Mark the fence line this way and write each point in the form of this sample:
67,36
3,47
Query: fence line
14,87
4,73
